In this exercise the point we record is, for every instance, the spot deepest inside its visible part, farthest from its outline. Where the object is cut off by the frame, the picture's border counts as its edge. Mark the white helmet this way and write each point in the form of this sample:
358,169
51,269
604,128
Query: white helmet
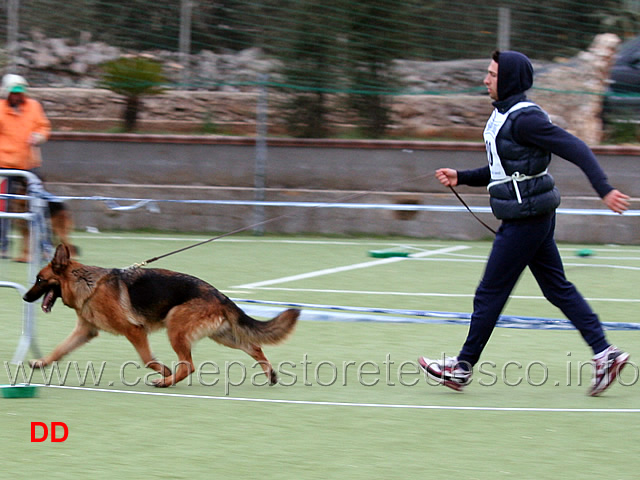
13,84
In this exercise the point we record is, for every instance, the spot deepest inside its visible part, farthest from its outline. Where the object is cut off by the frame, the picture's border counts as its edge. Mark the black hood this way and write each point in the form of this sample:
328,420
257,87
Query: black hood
515,74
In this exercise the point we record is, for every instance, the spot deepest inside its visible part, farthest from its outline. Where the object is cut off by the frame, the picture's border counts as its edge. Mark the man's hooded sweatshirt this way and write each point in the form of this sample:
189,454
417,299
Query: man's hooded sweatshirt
524,144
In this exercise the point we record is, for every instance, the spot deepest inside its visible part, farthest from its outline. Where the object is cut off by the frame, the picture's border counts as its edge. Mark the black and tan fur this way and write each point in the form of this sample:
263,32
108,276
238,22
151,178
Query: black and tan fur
135,301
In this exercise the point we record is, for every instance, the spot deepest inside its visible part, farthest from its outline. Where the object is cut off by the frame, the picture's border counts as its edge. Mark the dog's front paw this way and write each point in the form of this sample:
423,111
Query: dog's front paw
162,382
159,367
40,363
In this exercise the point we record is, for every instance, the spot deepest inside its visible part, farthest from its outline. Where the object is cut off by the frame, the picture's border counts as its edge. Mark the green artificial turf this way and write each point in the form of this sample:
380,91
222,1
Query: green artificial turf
344,409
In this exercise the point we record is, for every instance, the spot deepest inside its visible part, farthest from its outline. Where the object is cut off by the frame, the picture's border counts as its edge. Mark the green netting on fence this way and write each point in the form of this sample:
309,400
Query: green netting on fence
329,46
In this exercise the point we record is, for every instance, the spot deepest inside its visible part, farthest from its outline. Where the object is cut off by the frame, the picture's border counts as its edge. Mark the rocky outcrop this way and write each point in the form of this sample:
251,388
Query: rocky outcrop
572,92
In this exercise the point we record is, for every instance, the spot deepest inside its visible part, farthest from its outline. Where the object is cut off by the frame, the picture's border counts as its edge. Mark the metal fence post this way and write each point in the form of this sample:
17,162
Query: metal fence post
504,28
12,33
186,7
261,154
36,218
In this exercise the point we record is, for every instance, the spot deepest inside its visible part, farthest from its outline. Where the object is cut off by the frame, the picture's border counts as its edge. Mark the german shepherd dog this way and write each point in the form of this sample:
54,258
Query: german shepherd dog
135,301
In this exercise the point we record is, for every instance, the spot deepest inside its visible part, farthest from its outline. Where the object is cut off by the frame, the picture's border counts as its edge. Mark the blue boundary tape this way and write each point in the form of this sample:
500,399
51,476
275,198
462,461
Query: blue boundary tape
329,313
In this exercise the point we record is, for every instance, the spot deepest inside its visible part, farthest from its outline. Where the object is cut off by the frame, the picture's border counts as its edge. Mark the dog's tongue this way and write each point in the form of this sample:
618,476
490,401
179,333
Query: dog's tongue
47,301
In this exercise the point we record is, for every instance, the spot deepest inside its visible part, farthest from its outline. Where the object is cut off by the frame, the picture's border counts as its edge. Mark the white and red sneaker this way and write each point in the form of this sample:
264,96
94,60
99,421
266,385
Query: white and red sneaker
447,371
607,367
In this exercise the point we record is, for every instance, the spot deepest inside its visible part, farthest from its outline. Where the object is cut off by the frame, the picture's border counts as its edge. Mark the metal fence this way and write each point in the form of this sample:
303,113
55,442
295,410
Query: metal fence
319,41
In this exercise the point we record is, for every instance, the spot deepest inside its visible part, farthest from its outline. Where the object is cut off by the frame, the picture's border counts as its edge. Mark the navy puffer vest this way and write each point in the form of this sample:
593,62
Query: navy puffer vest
520,186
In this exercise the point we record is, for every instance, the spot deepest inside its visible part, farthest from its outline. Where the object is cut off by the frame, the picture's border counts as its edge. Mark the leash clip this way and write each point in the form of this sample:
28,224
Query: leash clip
136,266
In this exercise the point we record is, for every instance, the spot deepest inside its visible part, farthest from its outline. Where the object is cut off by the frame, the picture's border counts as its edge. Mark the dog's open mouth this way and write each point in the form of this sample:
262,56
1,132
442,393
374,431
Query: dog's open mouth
49,299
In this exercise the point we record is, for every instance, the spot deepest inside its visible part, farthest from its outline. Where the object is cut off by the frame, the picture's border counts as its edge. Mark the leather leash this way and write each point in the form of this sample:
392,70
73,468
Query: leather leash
248,227
469,209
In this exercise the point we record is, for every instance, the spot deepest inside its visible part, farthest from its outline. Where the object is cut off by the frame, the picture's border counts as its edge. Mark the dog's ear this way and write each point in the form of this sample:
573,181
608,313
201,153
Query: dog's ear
60,259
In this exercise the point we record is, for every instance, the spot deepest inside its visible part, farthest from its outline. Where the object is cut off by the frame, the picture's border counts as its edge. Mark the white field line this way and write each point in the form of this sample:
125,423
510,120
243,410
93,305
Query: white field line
587,261
346,268
99,236
353,404
481,259
603,249
432,294
566,264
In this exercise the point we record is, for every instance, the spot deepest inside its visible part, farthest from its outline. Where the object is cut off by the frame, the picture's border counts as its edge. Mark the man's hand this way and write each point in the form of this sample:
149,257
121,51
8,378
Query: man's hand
447,177
36,139
616,201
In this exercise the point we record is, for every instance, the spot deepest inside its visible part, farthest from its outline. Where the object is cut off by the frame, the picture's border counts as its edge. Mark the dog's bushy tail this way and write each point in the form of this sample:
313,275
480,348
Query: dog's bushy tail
271,332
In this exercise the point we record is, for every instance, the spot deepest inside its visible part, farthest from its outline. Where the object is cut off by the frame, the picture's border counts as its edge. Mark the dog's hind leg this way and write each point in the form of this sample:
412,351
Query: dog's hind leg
224,336
255,352
180,337
138,338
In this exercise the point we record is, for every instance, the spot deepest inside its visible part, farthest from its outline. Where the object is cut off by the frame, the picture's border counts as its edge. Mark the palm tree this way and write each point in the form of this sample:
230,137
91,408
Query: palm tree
133,77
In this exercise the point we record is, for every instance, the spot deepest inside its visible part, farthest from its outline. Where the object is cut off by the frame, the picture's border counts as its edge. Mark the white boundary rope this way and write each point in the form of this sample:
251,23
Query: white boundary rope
151,203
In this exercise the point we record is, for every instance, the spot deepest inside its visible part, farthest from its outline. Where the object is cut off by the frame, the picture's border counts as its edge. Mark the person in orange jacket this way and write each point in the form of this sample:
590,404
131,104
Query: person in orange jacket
23,127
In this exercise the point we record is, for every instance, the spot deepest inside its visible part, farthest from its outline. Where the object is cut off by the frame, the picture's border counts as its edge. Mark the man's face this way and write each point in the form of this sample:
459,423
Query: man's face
15,99
491,80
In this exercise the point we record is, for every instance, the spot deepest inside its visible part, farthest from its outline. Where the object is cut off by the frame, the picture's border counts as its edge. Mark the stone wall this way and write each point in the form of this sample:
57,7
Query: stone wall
571,91
176,170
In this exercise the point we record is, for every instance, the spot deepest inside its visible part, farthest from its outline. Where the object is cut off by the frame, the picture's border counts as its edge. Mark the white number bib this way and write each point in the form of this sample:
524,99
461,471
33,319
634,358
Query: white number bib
495,123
